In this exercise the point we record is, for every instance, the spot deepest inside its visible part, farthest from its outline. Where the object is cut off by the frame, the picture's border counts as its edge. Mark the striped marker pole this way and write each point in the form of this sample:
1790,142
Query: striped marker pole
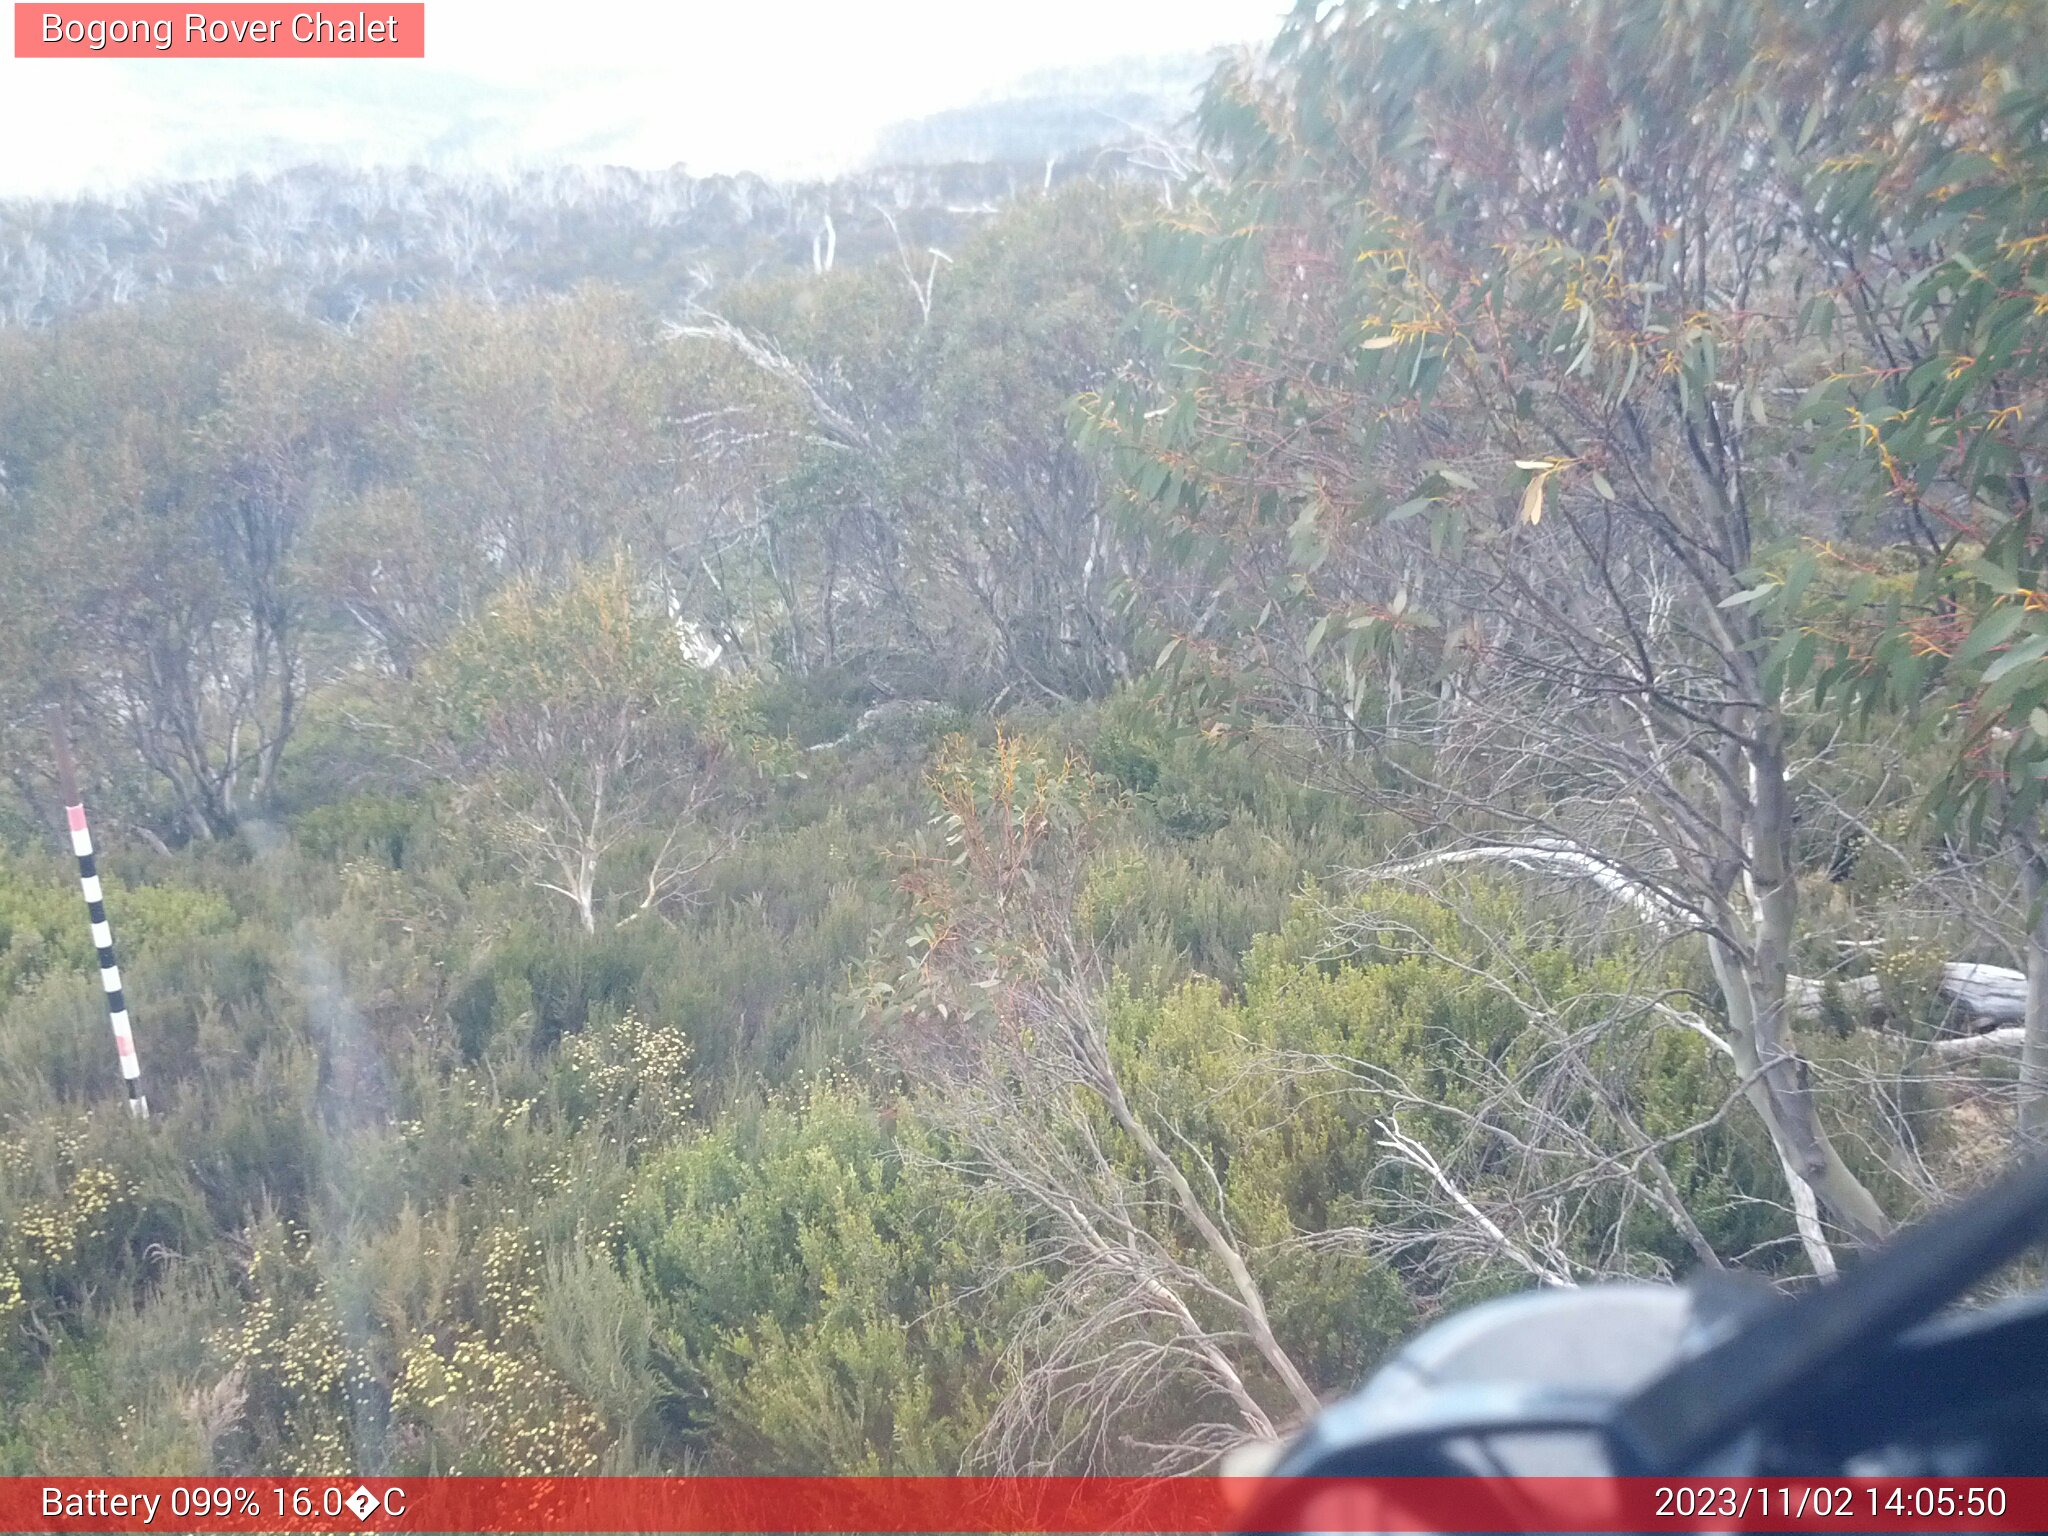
96,911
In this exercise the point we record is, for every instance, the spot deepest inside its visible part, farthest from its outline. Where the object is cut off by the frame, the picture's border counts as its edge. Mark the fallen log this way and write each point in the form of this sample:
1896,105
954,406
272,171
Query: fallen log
1981,997
2009,1040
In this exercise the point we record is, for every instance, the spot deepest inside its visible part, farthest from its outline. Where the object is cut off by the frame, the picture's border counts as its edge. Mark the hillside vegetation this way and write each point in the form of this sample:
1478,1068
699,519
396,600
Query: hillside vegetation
1023,856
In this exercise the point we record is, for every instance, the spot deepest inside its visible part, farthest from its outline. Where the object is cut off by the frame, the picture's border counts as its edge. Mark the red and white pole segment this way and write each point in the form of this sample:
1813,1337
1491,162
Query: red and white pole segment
96,913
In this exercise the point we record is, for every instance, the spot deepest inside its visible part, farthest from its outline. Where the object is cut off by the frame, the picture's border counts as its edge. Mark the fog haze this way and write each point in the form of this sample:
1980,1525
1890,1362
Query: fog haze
794,90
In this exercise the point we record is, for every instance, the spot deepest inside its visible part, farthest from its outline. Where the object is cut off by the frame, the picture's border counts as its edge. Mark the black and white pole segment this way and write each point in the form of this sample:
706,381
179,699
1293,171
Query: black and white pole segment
96,910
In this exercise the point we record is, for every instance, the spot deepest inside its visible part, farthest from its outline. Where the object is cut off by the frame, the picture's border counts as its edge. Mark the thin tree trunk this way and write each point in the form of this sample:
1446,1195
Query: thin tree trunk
1802,1143
1252,1303
1755,987
2033,1103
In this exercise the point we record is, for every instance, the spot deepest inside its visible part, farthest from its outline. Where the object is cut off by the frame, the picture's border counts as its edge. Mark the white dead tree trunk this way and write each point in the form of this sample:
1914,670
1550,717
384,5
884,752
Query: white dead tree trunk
1526,1139
2033,1105
1154,1292
920,288
1412,1152
1750,975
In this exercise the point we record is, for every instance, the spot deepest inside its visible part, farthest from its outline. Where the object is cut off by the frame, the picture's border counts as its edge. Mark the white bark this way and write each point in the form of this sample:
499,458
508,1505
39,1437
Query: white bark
1553,856
2033,1106
1760,998
2009,1041
1417,1156
1806,1218
1989,995
1986,995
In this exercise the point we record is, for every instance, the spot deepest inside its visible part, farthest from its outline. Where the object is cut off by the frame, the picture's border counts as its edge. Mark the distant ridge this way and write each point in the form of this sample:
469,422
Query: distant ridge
1059,112
329,242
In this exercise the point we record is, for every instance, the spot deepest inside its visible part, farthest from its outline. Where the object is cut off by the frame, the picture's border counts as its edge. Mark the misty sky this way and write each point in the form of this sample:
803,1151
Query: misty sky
790,89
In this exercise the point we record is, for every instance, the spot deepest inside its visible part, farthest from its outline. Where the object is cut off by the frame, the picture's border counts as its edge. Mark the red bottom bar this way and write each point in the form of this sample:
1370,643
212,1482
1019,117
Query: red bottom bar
1058,1506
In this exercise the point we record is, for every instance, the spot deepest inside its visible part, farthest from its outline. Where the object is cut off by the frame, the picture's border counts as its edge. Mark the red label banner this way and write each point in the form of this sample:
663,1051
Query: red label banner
224,31
892,1506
